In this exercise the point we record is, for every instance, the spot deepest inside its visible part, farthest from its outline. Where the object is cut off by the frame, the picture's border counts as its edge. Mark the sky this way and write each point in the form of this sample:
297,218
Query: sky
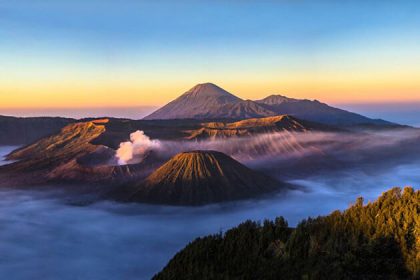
84,54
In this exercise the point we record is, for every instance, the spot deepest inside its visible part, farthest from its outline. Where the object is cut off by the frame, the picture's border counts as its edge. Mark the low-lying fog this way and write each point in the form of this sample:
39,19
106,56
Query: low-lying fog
4,150
43,236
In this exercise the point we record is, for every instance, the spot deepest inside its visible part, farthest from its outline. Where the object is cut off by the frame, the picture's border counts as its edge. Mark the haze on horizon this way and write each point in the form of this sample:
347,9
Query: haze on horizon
117,54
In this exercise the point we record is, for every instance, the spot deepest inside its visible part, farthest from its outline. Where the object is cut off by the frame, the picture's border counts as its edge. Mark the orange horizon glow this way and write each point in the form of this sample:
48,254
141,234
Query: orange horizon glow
90,96
352,81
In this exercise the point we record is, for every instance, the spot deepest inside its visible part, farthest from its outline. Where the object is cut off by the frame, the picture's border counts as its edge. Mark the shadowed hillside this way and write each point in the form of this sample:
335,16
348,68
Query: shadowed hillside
379,240
21,131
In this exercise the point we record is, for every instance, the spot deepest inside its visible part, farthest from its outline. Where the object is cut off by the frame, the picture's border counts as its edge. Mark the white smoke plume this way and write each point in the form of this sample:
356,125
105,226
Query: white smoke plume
135,149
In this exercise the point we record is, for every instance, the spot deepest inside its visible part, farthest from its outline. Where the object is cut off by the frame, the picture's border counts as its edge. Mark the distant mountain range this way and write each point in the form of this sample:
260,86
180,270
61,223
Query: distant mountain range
208,101
203,103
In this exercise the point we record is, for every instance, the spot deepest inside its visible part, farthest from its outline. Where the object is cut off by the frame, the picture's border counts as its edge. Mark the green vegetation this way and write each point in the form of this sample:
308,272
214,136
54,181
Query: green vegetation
380,240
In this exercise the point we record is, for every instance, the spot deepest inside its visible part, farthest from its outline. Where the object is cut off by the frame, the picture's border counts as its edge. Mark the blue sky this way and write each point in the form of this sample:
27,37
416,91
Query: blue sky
250,47
169,24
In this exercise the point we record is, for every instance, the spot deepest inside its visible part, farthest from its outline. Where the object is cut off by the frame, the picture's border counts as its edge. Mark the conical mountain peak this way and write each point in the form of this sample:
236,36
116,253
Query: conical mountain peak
200,177
199,102
209,90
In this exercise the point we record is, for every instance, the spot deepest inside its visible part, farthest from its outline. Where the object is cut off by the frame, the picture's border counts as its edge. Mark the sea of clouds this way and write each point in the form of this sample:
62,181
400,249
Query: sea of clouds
44,236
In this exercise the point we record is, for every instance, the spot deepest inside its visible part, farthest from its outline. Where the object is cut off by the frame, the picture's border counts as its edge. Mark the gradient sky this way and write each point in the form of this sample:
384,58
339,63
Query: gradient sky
100,53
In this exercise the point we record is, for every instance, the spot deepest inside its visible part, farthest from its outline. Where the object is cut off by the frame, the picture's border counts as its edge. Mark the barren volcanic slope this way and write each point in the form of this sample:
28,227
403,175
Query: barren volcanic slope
254,126
201,177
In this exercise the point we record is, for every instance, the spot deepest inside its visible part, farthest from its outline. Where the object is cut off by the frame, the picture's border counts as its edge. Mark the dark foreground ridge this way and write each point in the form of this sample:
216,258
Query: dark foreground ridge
200,177
377,241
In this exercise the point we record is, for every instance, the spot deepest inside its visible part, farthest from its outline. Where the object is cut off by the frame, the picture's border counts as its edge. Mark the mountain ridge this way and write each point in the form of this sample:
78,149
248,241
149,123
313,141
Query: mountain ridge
315,111
253,126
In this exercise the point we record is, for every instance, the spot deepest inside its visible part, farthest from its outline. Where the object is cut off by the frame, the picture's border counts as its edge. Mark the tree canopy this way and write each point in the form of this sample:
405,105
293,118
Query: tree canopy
379,240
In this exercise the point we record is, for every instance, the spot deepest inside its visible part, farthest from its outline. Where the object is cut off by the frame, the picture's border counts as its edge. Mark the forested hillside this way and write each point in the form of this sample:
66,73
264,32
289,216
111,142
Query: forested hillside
379,240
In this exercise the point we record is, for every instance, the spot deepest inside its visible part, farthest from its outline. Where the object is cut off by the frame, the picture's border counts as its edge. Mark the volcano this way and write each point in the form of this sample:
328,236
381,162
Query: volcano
202,177
199,102
209,102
